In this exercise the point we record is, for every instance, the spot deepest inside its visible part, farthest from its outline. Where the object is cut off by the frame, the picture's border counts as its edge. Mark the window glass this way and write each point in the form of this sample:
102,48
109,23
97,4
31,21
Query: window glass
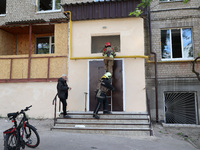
98,43
165,44
187,43
58,6
47,5
44,45
176,43
2,7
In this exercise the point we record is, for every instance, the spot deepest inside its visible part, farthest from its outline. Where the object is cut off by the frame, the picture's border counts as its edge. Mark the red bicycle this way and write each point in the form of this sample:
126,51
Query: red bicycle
22,134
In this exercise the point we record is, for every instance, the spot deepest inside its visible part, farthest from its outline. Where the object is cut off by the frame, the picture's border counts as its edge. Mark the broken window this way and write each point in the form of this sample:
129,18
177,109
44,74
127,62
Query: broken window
170,0
98,43
176,43
45,45
2,7
48,5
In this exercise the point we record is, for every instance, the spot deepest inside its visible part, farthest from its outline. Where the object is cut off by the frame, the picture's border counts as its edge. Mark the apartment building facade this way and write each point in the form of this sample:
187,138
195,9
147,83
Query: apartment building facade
175,40
42,39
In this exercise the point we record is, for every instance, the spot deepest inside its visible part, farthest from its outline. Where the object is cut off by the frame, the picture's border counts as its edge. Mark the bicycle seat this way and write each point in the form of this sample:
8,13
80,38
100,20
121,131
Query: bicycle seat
14,115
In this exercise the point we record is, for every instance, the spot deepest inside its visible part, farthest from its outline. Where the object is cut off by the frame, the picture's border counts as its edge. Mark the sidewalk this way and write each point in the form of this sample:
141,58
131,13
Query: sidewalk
57,140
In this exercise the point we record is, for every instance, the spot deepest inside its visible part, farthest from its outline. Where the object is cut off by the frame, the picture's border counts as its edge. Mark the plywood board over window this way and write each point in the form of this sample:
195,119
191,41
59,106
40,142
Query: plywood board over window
5,69
20,69
39,68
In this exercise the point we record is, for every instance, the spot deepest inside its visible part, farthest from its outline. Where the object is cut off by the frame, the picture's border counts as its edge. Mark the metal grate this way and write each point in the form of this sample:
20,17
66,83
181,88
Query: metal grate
180,108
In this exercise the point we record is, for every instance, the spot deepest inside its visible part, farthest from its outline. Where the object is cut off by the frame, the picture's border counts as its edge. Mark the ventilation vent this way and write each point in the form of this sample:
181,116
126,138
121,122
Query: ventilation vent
180,108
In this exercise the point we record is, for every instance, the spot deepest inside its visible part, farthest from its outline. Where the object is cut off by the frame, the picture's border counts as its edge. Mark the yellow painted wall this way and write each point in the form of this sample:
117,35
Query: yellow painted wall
130,30
132,43
7,43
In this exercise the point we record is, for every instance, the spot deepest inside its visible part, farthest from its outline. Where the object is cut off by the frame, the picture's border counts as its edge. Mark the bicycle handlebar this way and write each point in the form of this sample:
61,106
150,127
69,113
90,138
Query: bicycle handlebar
26,109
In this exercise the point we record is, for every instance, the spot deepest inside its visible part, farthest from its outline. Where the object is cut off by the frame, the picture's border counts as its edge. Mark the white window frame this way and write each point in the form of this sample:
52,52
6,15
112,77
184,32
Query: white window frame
47,11
171,54
50,44
161,1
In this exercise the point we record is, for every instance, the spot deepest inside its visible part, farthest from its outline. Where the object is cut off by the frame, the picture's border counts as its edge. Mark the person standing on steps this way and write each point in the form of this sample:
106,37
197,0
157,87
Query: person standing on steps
109,54
103,87
62,89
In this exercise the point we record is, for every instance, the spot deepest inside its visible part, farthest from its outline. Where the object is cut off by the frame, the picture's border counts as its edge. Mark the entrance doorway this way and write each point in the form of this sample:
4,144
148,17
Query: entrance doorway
96,71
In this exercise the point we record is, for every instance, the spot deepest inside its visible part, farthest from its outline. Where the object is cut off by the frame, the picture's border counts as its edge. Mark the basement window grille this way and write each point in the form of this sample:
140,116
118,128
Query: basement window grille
180,108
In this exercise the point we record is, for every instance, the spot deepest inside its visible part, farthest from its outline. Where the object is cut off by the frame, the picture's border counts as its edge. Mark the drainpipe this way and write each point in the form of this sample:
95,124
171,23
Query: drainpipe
155,58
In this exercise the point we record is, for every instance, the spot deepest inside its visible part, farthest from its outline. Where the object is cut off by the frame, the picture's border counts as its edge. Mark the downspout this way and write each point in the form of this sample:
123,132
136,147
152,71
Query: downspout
155,59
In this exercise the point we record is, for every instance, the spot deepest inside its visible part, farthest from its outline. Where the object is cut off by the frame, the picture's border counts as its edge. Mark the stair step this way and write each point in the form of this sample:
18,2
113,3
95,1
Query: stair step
113,125
107,116
102,120
112,131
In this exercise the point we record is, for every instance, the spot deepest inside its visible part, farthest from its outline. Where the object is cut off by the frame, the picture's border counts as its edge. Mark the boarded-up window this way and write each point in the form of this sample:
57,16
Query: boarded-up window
2,7
98,43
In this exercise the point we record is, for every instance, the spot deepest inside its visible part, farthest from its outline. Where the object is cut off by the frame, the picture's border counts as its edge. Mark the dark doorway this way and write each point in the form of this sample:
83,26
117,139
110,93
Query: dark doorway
95,73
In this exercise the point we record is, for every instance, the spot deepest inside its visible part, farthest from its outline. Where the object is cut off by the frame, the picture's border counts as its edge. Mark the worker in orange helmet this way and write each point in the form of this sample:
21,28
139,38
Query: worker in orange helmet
109,54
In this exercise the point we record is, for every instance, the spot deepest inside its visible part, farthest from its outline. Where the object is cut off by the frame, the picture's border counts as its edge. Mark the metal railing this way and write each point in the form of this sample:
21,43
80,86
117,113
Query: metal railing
149,113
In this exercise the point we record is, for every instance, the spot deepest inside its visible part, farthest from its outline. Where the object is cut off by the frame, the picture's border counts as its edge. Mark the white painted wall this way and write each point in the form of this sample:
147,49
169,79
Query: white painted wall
17,96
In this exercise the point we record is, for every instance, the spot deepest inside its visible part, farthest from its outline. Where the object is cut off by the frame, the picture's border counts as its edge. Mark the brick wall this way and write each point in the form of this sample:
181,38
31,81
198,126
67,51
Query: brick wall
173,15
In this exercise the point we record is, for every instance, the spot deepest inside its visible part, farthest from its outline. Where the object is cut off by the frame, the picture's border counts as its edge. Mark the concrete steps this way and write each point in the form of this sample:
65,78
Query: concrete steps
115,123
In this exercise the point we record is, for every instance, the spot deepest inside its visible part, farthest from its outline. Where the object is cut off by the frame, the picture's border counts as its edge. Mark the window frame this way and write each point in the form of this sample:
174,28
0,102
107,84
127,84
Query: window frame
169,1
171,50
50,44
48,11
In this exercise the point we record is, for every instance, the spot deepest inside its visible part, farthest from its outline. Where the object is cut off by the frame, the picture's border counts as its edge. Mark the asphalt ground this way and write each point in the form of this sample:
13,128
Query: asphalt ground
59,140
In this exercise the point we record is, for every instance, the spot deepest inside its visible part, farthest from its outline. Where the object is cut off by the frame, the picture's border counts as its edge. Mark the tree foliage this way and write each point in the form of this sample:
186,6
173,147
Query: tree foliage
143,4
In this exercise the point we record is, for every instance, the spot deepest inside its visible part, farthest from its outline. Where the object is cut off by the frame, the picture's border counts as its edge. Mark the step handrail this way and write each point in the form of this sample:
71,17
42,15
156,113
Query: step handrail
149,113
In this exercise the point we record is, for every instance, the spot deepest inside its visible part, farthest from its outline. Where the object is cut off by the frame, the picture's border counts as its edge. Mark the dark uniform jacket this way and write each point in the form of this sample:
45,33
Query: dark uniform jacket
62,89
104,86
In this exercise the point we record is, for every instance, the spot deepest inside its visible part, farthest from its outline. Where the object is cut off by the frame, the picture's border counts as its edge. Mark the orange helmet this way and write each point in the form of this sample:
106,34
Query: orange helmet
107,44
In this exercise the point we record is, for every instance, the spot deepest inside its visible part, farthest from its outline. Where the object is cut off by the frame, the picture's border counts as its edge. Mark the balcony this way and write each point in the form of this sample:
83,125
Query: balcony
34,52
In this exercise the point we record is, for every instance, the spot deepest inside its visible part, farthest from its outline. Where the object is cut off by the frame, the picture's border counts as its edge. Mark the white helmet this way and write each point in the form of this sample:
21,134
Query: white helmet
107,75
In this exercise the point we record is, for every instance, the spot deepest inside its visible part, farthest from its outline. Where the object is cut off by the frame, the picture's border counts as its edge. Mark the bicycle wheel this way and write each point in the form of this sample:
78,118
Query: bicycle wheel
10,142
31,137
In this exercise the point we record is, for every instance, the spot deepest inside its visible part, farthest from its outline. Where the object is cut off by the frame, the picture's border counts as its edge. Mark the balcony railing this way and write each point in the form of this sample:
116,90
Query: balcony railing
22,68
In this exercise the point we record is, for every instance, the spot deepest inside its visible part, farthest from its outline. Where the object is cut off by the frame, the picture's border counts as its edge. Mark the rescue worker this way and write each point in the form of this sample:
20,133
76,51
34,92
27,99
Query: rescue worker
108,54
103,86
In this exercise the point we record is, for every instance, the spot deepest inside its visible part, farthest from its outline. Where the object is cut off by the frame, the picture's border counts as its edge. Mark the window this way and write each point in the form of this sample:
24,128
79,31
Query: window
98,43
100,0
170,0
48,5
2,7
177,43
45,45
